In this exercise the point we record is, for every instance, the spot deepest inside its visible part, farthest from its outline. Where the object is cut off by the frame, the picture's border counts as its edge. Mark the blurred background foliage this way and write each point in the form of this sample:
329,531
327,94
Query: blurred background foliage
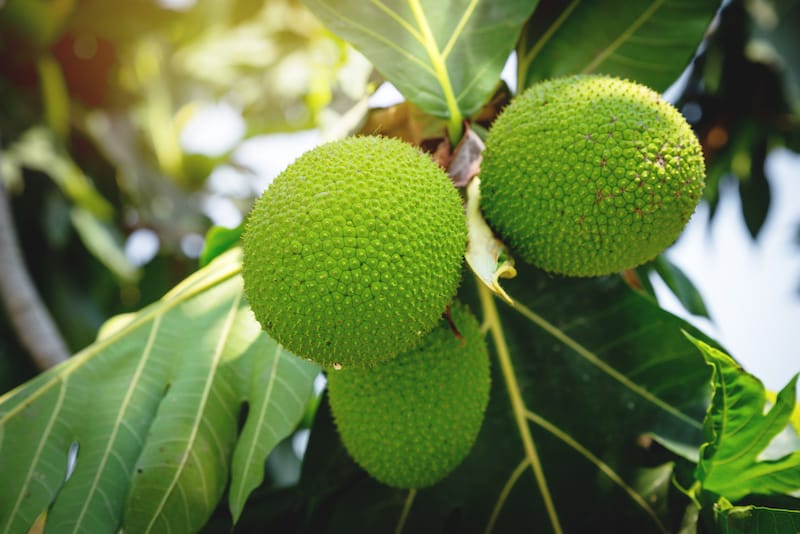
100,107
106,107
742,95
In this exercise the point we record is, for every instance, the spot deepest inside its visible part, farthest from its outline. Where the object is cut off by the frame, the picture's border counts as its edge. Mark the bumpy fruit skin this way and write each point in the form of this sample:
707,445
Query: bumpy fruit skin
354,251
590,175
413,420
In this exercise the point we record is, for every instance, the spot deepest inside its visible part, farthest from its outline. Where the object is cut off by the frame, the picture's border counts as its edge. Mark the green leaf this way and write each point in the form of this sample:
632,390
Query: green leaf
749,519
648,41
445,56
754,189
681,286
275,402
735,459
218,240
584,371
153,408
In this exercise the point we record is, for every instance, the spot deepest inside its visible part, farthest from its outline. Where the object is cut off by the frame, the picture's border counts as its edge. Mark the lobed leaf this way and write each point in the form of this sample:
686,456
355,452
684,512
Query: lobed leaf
152,408
649,41
739,431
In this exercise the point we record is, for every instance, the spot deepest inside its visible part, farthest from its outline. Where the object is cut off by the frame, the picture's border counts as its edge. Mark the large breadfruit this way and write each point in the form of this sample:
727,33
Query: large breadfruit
412,420
590,175
353,253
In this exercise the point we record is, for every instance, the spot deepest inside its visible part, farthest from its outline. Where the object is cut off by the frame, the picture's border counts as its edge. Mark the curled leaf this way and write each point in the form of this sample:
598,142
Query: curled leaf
486,255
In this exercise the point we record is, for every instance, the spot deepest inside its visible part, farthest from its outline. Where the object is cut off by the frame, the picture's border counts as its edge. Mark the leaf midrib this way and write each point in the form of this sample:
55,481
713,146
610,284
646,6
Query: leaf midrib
527,59
492,324
519,409
439,63
239,490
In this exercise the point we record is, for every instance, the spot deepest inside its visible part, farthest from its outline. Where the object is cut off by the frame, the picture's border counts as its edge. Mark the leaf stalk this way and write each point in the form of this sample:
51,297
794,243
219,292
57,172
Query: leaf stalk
454,125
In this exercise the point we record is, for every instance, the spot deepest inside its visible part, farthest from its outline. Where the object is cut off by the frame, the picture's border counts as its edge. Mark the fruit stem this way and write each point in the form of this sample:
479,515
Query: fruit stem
492,318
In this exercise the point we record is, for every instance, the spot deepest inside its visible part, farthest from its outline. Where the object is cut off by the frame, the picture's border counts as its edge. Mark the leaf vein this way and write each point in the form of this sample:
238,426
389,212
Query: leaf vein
399,20
517,403
459,29
505,492
188,289
226,332
600,464
616,43
35,459
135,380
592,358
380,38
262,410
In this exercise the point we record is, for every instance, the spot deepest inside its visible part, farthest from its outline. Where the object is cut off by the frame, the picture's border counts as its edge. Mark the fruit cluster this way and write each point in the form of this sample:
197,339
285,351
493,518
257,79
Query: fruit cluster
353,256
351,259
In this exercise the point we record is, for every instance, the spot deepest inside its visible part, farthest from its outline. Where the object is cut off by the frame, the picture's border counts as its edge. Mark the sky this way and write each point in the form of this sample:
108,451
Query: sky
751,288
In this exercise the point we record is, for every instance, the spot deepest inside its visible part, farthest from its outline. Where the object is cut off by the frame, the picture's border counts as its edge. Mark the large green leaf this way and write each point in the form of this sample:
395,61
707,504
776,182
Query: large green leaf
153,409
445,56
648,41
584,371
739,431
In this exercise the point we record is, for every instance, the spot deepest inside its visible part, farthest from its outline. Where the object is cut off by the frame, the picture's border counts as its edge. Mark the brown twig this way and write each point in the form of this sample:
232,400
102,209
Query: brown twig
25,308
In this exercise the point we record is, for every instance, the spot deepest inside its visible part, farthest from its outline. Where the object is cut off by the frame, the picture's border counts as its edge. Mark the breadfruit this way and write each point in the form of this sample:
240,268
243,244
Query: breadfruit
590,175
354,251
410,421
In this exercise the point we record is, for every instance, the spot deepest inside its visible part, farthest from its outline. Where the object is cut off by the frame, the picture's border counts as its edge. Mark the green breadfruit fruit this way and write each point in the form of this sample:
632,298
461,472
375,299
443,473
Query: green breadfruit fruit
411,421
590,175
353,253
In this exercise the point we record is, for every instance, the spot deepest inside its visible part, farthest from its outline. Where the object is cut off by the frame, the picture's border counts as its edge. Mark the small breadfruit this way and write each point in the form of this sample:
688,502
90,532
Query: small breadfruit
590,175
354,251
412,420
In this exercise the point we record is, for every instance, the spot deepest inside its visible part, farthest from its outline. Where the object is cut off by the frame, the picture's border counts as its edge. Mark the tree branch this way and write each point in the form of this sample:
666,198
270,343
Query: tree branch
27,312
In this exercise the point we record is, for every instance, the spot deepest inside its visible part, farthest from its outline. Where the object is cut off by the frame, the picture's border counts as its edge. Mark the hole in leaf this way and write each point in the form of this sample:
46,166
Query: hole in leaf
72,459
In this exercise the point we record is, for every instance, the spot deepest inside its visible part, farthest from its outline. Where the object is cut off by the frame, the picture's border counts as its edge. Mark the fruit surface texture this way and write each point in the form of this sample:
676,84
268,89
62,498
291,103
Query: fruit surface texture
411,421
354,251
590,175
